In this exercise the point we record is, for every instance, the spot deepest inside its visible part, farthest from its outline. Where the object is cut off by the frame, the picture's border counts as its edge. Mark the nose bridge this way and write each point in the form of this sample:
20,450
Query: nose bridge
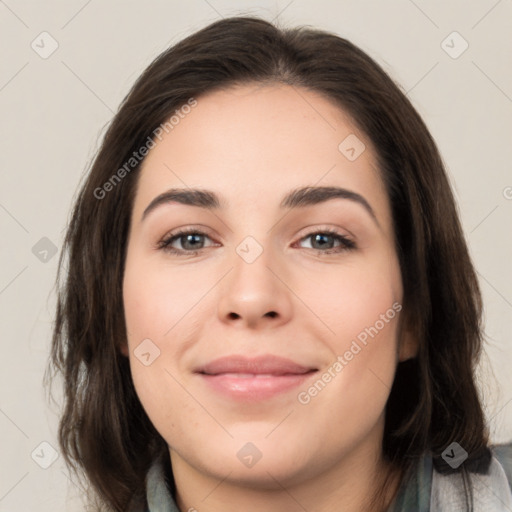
251,291
254,233
252,264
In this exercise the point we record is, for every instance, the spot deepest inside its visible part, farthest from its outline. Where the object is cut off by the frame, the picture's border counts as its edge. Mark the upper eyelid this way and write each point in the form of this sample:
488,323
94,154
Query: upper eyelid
205,231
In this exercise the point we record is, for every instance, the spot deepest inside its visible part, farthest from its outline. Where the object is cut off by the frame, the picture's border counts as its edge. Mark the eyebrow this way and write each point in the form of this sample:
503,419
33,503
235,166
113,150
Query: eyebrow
297,198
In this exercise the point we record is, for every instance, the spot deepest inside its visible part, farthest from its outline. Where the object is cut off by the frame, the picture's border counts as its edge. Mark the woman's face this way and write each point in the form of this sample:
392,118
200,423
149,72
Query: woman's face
263,346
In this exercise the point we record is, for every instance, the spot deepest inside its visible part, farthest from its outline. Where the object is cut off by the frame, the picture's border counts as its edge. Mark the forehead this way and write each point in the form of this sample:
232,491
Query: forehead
253,143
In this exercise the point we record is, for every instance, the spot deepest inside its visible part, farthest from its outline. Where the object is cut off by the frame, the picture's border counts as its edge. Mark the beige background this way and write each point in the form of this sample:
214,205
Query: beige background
54,111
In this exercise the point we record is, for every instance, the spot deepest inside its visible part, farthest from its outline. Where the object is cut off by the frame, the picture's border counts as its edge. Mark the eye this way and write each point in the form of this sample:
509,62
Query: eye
323,242
190,240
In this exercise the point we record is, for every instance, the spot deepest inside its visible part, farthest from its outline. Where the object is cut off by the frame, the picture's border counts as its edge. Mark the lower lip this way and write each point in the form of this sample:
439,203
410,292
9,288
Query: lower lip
254,388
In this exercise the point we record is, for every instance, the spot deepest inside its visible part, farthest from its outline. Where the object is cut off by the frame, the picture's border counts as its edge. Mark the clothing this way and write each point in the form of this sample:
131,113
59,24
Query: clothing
431,491
427,490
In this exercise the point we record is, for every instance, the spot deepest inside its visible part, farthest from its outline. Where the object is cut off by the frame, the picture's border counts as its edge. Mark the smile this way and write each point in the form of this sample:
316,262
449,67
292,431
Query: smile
253,379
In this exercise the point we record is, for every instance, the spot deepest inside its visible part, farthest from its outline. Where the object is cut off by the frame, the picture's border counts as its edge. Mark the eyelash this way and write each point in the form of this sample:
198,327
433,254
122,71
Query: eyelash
165,243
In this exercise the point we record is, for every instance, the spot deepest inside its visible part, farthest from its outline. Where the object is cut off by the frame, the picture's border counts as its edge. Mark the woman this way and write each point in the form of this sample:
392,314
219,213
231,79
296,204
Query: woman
269,303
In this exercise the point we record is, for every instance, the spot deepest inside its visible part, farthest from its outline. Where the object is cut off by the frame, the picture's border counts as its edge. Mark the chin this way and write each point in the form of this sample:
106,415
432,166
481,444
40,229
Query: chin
260,463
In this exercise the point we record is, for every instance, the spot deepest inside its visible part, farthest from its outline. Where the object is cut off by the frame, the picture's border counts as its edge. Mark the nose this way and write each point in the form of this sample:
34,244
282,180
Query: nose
255,294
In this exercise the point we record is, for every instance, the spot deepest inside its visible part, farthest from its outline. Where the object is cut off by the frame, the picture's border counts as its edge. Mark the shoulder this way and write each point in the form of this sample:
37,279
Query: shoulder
503,454
488,492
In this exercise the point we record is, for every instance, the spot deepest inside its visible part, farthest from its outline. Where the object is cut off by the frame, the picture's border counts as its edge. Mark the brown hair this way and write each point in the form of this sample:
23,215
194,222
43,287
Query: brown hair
104,430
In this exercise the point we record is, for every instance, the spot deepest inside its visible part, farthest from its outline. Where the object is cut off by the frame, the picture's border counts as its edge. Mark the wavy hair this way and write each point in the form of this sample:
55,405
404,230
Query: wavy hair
104,432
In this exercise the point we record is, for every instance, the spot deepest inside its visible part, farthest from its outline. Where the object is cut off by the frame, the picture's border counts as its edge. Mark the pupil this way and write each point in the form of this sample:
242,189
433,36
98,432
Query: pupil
189,238
317,237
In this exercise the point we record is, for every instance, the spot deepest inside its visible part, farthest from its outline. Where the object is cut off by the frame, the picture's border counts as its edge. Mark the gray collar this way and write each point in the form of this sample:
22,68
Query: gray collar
491,492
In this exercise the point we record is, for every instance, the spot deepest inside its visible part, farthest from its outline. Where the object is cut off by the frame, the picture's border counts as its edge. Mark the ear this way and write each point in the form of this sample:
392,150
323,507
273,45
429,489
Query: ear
123,348
408,344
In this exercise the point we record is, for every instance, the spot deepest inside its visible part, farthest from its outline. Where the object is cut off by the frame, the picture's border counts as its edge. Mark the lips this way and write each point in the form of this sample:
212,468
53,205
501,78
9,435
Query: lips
256,378
262,365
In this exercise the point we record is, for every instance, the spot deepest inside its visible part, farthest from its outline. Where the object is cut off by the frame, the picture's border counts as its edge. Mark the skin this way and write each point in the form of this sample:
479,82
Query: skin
252,144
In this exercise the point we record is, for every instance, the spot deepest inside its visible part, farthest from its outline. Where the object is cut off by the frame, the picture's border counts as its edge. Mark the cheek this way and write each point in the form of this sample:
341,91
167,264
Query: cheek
169,407
361,307
354,299
157,299
153,306
159,303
